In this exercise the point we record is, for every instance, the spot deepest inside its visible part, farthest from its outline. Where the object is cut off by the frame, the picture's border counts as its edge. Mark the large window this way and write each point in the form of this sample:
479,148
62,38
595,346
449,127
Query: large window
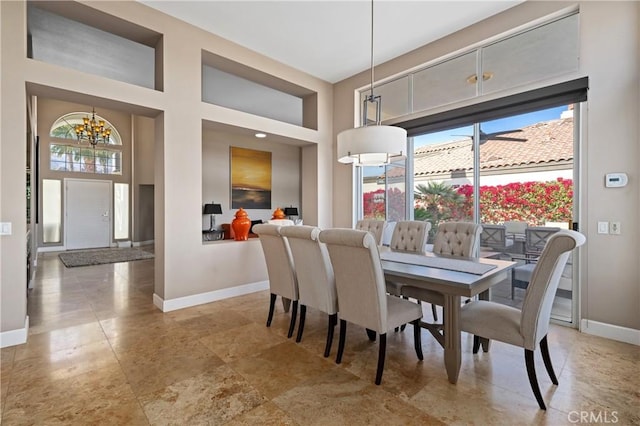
51,210
120,211
79,156
384,192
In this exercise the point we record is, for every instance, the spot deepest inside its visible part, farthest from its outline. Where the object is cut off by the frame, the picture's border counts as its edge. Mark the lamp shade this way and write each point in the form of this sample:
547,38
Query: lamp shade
212,209
372,145
291,211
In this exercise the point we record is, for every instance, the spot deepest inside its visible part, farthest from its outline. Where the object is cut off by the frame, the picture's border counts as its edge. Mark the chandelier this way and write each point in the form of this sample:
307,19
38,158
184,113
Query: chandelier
374,145
92,130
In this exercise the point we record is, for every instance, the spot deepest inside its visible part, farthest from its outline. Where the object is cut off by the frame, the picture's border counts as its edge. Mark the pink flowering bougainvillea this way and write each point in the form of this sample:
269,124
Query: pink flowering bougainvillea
373,204
531,202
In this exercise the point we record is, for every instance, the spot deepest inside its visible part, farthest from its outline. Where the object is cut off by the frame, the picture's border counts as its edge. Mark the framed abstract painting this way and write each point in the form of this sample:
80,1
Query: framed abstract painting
250,178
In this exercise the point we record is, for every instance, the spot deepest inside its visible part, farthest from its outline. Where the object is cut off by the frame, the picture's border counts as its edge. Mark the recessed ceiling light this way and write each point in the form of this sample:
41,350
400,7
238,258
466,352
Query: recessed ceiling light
261,135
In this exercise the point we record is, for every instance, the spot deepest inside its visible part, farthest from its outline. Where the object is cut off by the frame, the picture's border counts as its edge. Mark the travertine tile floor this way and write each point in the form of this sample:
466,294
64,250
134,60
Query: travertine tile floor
99,352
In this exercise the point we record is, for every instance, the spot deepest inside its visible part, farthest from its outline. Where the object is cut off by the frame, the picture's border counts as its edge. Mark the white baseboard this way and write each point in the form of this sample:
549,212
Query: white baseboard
609,331
15,337
142,243
45,249
211,296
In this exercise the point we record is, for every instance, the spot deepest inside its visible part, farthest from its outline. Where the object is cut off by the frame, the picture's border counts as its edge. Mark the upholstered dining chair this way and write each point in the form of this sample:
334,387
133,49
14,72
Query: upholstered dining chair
528,327
376,227
362,295
458,239
408,236
316,283
282,277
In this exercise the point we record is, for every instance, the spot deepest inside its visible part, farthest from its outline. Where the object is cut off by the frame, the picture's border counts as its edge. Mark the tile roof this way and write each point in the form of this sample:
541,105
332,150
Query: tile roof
546,143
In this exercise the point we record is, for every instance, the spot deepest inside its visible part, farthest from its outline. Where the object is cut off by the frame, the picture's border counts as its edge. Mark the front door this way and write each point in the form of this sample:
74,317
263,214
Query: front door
87,213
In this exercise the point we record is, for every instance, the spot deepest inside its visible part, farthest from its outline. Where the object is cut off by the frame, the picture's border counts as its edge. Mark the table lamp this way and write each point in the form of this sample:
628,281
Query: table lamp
211,210
290,211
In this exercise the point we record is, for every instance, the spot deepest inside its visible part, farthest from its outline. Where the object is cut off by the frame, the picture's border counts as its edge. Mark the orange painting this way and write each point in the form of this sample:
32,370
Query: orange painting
250,179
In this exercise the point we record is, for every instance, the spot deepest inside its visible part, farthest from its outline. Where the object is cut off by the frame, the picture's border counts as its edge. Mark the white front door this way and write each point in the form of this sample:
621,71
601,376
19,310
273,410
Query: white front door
87,213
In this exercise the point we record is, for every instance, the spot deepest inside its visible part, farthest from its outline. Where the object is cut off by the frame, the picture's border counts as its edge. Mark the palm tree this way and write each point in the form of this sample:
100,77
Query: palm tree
437,202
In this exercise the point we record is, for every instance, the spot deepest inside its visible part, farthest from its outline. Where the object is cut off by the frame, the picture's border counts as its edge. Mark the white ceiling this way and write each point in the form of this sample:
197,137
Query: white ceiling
331,39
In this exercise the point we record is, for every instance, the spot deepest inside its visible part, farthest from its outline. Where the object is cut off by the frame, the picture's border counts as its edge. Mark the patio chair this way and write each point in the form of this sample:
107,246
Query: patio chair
495,237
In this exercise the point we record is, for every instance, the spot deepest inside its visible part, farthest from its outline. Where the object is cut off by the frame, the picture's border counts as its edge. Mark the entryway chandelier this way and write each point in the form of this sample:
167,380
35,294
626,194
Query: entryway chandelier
92,130
374,145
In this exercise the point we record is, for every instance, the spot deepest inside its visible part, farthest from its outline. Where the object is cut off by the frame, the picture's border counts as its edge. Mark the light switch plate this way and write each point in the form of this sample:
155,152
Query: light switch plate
603,227
5,228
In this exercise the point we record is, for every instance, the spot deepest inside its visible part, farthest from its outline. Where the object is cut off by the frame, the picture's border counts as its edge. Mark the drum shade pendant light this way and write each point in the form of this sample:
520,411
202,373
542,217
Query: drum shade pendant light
371,145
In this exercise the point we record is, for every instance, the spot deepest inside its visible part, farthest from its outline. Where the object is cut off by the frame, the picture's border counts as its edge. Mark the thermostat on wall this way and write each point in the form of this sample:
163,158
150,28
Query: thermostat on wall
615,180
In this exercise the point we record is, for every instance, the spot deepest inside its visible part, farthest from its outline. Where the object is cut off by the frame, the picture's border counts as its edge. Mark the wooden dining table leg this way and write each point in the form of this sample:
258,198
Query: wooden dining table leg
451,319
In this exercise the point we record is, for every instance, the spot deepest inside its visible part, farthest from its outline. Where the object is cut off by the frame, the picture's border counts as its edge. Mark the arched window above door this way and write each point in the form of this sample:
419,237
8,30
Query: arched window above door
64,127
80,156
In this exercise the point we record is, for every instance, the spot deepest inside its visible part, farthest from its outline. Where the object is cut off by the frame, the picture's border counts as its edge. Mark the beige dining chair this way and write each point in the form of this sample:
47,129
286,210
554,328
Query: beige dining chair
362,296
457,239
376,227
408,236
282,276
529,326
316,283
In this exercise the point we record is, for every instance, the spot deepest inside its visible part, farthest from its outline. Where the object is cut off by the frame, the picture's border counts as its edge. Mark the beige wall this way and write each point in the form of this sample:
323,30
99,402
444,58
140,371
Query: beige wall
184,266
610,290
143,179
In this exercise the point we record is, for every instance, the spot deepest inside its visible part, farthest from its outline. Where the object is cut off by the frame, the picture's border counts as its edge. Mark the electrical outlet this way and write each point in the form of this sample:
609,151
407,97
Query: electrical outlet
603,227
614,228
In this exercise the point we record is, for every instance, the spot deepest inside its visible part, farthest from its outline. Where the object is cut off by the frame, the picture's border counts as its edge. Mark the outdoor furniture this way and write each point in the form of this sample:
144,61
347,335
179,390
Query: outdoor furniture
536,238
535,241
495,237
528,327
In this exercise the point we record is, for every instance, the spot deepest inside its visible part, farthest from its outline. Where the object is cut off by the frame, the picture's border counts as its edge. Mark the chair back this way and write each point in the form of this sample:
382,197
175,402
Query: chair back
457,239
515,227
536,238
359,277
410,235
316,283
277,254
376,227
281,222
538,299
494,236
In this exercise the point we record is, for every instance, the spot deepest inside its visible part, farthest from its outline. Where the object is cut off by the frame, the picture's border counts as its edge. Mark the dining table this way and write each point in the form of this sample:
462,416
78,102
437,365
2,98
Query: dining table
453,278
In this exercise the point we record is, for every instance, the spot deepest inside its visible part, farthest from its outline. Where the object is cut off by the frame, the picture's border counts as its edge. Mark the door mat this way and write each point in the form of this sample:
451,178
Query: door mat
71,259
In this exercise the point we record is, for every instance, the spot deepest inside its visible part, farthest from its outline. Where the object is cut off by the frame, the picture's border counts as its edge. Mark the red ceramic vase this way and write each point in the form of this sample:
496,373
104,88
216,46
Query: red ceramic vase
241,225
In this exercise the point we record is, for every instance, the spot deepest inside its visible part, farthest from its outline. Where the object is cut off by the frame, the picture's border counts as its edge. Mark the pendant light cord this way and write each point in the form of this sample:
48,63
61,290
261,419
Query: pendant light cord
371,49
